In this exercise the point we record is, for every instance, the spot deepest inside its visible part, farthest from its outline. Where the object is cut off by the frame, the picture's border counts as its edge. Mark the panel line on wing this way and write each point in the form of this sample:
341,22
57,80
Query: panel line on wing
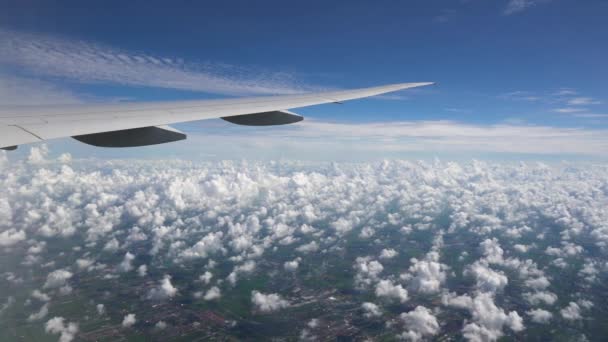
28,131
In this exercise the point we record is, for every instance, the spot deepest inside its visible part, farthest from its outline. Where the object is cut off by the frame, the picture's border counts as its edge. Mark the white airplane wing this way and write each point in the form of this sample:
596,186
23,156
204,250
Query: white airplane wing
143,123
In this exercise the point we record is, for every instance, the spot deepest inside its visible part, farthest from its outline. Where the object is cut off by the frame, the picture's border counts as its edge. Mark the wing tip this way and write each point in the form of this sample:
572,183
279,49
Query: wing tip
417,84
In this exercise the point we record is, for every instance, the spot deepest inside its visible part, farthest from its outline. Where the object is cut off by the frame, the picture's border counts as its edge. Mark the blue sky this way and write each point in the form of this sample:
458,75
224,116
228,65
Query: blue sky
522,64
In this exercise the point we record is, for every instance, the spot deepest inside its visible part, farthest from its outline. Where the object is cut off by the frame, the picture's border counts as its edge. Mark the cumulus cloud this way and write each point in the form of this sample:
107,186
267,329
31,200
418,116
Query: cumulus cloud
420,323
164,290
11,237
388,289
371,310
292,265
142,270
205,278
367,271
44,310
572,312
388,253
213,293
427,275
246,268
209,244
268,302
486,278
127,263
41,296
308,248
57,278
160,325
58,325
540,315
488,319
129,320
539,297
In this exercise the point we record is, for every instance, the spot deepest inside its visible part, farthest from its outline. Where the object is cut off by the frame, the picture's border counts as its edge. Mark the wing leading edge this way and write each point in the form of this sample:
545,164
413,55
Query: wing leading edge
28,124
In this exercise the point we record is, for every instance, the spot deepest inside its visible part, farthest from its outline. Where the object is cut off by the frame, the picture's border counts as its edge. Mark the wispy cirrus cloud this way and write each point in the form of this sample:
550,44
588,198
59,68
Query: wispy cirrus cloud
568,110
92,63
19,91
583,101
516,6
364,141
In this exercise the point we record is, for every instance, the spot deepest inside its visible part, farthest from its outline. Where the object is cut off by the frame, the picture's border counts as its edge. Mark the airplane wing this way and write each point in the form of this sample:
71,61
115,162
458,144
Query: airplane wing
144,123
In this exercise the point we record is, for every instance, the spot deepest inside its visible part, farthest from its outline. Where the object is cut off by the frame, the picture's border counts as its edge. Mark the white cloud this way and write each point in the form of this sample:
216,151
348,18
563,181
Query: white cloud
420,323
38,154
308,248
569,110
57,278
205,278
572,312
43,297
583,101
292,265
545,297
129,320
268,302
164,290
160,325
127,263
516,6
492,251
427,275
58,325
488,319
540,315
142,270
486,278
246,268
521,248
388,253
367,271
213,293
95,63
11,237
209,244
371,310
84,263
44,310
21,91
539,283
388,289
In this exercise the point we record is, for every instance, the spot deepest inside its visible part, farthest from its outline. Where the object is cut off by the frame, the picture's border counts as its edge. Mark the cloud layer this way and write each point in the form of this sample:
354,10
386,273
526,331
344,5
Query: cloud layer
481,246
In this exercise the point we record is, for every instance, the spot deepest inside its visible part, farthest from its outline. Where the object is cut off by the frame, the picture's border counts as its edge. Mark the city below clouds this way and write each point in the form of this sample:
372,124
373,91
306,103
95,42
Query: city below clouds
457,249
